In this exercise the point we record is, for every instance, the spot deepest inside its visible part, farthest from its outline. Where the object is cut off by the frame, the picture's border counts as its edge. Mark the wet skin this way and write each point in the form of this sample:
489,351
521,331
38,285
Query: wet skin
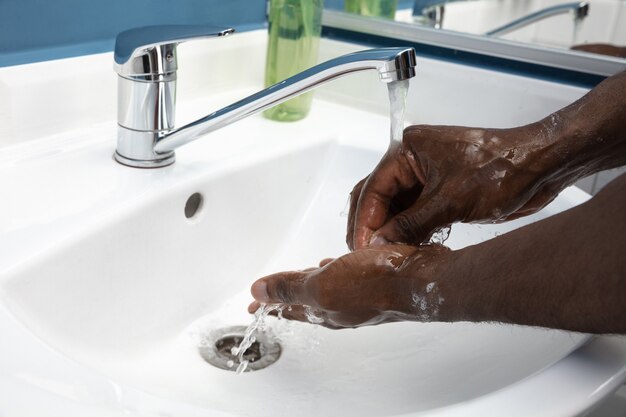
566,271
446,174
366,287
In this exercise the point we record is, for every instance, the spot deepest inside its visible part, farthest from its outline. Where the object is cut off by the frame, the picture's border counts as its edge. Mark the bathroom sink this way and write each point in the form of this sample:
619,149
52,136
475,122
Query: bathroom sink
113,279
132,295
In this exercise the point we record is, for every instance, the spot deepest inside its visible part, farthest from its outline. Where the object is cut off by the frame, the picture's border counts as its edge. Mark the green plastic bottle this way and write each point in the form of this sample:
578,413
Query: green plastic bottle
294,35
376,8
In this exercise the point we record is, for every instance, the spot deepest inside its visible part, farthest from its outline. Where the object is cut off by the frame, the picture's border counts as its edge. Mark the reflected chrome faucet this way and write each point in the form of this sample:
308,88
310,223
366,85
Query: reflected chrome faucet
433,13
578,9
145,61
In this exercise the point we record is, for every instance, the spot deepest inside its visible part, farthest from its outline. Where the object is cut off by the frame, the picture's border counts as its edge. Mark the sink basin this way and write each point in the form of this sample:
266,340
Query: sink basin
110,281
133,294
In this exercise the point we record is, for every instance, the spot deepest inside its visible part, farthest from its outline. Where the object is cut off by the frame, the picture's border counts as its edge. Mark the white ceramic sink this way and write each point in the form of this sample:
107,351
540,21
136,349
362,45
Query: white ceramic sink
107,288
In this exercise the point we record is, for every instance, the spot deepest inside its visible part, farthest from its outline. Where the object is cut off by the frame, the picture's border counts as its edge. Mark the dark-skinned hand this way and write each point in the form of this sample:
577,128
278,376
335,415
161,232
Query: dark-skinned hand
365,287
440,175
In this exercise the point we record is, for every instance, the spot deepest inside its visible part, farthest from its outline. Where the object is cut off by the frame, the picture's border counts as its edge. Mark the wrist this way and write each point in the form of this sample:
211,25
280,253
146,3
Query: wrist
465,289
433,287
455,301
588,135
557,151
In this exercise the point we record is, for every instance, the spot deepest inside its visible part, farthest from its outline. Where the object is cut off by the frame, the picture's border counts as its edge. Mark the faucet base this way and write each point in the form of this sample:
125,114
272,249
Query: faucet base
135,148
168,159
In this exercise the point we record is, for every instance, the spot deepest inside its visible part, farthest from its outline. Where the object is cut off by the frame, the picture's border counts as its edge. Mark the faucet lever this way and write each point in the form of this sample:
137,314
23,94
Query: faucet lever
149,53
145,62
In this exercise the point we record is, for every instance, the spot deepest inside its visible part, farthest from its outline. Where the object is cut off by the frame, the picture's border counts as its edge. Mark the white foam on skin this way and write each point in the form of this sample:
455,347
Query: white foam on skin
426,302
311,317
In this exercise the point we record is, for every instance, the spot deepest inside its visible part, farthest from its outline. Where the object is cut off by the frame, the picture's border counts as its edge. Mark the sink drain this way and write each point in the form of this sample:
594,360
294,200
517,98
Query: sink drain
216,349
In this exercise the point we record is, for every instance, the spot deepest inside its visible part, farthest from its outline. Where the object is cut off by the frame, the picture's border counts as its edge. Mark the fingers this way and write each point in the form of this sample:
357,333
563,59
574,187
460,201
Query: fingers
282,288
396,173
253,307
290,312
370,200
300,313
372,208
325,262
285,288
354,200
370,214
415,225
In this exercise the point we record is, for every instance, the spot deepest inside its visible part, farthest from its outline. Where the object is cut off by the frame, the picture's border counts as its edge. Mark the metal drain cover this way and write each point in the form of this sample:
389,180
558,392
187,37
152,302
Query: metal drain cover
216,349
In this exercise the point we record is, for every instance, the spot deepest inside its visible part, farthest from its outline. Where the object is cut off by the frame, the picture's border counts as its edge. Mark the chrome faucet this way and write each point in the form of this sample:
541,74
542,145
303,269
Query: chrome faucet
145,61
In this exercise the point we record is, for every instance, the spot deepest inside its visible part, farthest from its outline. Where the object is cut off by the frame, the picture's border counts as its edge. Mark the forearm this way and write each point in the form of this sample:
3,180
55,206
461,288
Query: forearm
585,137
567,271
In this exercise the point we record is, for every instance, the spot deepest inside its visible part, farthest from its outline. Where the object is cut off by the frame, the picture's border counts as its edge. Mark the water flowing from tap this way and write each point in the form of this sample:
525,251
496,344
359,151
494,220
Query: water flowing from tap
398,91
397,102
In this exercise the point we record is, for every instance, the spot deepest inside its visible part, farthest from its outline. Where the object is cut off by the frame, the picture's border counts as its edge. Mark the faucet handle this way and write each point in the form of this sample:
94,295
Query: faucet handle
149,53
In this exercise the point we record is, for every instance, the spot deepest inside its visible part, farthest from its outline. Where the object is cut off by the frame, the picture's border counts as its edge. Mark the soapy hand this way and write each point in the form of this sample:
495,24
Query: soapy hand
445,174
365,287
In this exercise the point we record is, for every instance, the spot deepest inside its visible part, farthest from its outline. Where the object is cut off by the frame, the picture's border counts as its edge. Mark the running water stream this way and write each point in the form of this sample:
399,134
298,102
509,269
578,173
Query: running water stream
397,101
258,324
398,91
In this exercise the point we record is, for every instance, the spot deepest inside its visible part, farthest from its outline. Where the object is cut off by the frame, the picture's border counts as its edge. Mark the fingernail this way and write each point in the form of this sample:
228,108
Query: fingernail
378,241
259,291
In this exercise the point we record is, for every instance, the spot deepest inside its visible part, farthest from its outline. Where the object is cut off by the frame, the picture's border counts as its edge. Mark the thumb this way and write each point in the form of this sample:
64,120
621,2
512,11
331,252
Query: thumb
282,288
414,225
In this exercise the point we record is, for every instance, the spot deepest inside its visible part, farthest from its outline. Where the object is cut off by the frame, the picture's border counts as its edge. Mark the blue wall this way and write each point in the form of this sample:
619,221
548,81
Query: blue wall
38,30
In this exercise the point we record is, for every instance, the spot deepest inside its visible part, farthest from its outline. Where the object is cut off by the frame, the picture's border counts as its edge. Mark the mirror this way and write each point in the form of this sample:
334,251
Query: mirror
587,36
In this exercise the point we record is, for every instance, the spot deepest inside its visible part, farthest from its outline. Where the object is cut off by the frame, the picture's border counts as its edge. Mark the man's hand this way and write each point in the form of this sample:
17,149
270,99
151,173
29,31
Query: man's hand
365,287
446,174
566,271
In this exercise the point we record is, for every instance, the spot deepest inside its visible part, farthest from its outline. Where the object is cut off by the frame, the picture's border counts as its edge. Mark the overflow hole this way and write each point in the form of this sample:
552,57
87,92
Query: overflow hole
193,205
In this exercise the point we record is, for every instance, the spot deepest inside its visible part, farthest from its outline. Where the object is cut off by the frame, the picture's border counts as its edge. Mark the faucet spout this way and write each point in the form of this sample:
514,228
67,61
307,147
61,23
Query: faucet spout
432,13
392,64
578,9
